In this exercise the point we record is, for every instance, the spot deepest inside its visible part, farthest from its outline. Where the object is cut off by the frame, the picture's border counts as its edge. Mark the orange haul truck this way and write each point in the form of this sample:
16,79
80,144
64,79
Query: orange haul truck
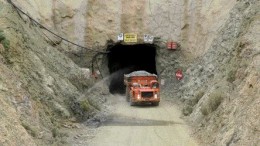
142,87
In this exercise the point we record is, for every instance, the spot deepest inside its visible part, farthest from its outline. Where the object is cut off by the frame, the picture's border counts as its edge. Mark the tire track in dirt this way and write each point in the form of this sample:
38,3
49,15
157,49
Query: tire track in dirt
143,125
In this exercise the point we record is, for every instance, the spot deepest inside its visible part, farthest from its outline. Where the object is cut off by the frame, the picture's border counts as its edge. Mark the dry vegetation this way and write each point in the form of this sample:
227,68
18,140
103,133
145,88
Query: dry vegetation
212,102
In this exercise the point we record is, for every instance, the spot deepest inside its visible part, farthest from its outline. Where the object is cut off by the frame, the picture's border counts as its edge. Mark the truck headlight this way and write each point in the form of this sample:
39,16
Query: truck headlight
155,85
138,96
155,96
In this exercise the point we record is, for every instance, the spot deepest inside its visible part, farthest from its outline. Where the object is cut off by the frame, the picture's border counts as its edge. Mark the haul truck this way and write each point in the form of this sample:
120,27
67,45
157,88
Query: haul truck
142,87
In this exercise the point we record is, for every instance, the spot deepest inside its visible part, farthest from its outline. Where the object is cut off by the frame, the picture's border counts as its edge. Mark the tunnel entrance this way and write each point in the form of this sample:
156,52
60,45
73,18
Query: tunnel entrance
124,59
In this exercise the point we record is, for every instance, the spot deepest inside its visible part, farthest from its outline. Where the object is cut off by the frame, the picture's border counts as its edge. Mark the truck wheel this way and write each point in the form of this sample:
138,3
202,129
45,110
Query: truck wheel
127,94
132,103
155,103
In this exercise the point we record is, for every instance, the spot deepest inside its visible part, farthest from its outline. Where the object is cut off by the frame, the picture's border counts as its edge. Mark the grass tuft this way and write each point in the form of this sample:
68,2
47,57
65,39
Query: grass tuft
212,103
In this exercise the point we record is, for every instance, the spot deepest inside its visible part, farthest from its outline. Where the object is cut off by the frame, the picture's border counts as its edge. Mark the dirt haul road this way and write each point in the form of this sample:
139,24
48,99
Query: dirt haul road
143,126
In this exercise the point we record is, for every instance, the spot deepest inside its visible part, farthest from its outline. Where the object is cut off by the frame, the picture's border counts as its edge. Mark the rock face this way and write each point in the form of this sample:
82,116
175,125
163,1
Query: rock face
194,24
219,54
40,86
96,21
219,87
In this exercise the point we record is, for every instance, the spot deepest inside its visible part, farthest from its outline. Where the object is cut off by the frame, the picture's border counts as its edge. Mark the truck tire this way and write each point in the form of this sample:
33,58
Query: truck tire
132,103
155,103
130,99
127,94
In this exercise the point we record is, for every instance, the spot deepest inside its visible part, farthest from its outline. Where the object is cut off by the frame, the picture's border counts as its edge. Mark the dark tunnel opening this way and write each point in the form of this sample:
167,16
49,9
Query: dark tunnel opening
124,59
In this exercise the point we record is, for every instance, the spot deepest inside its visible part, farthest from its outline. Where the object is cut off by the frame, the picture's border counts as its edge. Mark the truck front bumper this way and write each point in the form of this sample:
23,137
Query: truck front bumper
143,100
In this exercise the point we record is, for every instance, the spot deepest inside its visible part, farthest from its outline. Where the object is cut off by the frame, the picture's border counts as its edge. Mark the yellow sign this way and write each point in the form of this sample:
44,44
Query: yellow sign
130,38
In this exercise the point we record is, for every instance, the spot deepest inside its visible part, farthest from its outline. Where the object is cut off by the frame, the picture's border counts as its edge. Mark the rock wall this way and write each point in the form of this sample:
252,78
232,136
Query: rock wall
194,24
221,88
202,21
40,87
88,22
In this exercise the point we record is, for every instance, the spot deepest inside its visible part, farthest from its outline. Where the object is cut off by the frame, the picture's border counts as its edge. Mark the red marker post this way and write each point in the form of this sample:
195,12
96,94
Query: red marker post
179,74
94,75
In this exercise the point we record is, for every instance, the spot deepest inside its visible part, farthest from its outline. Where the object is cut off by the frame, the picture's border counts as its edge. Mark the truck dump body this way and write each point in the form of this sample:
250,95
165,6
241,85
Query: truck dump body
142,87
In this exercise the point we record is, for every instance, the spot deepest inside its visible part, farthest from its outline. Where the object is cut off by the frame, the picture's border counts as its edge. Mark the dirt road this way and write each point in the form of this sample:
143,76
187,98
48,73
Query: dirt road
142,125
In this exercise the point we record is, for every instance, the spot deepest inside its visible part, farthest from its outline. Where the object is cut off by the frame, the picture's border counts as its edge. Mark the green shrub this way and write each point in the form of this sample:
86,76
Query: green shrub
2,36
195,99
3,40
212,103
198,96
6,43
29,129
231,76
215,100
55,132
187,110
204,110
84,105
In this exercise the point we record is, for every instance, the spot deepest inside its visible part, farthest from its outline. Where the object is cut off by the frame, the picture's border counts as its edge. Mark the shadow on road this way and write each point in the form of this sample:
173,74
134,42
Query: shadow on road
119,120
